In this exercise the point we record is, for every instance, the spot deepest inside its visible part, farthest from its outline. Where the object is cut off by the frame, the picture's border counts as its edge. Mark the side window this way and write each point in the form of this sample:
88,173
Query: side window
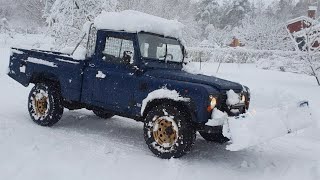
118,51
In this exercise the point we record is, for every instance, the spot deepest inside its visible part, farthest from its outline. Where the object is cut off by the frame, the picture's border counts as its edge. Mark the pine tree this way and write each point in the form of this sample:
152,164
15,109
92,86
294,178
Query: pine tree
236,13
208,12
301,8
284,9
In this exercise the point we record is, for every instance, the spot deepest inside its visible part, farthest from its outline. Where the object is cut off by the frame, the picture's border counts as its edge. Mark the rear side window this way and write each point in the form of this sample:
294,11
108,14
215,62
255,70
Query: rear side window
118,50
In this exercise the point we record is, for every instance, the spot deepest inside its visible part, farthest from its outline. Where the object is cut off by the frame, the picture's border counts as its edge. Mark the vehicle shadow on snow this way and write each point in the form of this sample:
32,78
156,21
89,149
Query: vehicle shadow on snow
129,133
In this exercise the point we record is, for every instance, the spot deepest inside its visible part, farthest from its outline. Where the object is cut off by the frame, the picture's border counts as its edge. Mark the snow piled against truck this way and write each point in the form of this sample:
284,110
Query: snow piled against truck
278,107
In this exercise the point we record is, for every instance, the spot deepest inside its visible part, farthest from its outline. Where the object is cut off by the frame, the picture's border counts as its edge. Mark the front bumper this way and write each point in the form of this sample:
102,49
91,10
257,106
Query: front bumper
219,116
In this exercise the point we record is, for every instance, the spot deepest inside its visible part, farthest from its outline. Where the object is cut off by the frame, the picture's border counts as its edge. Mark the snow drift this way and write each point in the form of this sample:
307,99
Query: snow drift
262,125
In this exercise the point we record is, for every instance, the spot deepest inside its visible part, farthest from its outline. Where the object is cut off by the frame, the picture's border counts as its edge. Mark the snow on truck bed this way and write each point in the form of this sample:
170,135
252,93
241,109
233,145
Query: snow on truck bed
135,21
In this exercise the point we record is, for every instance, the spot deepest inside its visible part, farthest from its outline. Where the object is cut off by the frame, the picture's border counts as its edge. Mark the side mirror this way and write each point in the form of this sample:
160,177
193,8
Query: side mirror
127,57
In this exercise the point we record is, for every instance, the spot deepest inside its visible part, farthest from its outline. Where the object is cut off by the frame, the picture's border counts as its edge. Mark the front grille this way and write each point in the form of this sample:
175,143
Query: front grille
222,105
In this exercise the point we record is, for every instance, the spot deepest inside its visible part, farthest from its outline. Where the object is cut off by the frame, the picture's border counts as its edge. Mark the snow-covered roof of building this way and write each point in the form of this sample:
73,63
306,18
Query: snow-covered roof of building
135,21
313,8
301,18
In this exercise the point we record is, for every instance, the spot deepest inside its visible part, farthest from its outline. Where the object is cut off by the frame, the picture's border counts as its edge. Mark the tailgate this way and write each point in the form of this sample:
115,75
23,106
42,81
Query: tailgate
17,67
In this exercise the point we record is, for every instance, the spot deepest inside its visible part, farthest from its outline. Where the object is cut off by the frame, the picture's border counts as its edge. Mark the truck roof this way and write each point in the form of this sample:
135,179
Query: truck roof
135,21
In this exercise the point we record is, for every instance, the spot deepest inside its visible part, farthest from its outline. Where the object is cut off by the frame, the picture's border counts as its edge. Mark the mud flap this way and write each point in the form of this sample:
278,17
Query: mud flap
261,125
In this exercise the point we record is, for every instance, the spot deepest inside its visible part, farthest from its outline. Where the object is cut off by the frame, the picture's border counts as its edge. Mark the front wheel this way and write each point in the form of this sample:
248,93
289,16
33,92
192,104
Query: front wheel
168,131
45,104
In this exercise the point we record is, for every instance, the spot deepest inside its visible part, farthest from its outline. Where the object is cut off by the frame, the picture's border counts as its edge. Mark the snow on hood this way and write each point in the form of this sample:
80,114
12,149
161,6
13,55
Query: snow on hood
135,21
213,81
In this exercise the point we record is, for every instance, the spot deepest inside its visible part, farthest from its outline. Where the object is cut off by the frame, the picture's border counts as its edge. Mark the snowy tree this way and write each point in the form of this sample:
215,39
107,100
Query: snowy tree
208,12
66,18
264,33
218,37
300,9
33,9
308,42
234,14
284,9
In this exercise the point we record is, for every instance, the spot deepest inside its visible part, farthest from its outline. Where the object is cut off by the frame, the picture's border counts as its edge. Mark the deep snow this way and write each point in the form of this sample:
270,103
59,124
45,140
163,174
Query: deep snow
83,146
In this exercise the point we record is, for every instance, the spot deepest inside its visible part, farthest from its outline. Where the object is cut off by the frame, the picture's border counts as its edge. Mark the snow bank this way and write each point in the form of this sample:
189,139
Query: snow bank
163,93
262,125
134,21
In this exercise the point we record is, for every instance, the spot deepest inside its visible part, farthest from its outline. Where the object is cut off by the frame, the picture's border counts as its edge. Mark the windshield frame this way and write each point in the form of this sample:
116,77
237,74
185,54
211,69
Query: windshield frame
166,49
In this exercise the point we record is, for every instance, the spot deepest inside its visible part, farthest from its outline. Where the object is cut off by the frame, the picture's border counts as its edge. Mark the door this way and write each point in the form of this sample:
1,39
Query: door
114,78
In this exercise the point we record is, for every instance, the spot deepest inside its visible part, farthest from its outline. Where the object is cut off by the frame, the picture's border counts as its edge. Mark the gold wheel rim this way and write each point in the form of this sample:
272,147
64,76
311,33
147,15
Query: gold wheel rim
41,106
164,132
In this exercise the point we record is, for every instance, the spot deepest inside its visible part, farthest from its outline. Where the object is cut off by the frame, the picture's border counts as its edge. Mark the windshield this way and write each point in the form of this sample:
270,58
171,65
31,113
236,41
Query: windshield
160,48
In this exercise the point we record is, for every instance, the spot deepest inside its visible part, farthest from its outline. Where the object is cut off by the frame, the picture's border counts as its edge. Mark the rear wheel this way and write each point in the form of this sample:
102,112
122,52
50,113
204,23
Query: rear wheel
103,114
45,104
168,131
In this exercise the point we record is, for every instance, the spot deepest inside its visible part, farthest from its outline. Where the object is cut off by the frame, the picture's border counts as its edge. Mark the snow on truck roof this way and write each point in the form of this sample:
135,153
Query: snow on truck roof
135,21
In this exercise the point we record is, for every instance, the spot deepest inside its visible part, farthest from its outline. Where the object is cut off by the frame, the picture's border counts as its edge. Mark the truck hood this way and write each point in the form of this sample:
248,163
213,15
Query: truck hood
218,83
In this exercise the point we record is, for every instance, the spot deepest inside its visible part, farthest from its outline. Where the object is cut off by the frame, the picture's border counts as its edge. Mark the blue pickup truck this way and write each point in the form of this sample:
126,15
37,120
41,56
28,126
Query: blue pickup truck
131,74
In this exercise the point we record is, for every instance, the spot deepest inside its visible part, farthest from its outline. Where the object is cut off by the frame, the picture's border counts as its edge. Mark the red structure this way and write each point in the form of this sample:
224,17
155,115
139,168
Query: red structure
295,27
303,22
298,24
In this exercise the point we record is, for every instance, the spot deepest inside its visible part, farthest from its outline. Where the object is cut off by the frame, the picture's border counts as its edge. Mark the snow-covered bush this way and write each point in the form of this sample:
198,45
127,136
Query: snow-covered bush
218,37
289,61
67,17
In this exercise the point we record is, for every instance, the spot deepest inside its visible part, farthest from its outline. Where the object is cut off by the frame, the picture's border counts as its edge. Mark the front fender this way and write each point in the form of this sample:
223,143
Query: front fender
193,97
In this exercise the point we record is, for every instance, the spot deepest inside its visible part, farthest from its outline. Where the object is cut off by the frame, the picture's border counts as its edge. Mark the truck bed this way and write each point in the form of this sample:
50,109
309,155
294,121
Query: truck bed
27,66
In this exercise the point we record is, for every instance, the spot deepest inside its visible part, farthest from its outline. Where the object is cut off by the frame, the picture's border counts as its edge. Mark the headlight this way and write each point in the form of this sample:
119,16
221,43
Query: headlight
213,103
243,99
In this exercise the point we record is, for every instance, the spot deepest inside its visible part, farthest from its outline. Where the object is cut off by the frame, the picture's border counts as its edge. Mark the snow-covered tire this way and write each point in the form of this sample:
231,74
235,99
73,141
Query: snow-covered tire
45,104
102,114
177,135
214,137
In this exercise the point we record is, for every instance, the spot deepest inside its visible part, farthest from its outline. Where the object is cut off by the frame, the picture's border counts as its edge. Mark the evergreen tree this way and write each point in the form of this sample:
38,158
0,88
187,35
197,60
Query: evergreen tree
208,12
300,9
236,13
284,9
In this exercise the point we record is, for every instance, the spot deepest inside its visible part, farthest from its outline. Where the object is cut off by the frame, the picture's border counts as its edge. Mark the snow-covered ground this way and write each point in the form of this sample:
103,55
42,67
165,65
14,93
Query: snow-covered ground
83,146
